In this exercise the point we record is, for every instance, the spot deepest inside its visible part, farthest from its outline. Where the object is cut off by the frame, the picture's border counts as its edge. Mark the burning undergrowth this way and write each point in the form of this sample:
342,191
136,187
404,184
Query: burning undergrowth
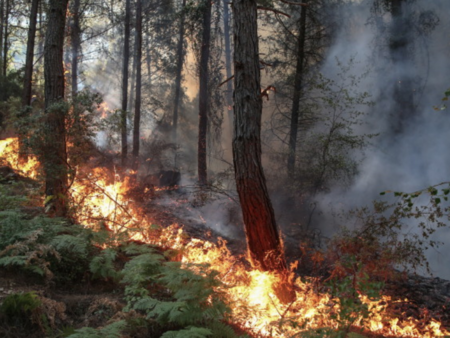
241,295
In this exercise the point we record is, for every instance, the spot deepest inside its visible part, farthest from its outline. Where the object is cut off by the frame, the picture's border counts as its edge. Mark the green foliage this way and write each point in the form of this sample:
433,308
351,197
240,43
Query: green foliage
112,330
102,265
191,332
189,297
18,307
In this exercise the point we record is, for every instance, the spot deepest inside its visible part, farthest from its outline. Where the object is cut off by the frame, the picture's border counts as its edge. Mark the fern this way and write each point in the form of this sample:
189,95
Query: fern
191,332
110,331
103,265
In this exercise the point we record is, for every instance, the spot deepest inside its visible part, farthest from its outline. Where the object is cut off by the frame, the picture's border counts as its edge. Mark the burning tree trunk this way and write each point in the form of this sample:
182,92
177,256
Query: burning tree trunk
76,44
137,112
263,240
54,152
126,58
203,94
297,91
180,60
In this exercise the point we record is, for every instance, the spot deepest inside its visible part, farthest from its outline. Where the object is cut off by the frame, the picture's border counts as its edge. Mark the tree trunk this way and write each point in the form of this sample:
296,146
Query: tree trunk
2,22
76,44
126,59
264,244
403,64
297,91
28,79
203,94
6,37
133,76
226,32
55,156
179,71
137,112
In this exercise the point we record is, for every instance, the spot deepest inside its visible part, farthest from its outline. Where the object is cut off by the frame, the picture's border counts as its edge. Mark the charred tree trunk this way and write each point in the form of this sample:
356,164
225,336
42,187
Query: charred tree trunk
264,244
126,59
6,37
137,112
203,94
295,113
226,33
55,156
179,71
76,45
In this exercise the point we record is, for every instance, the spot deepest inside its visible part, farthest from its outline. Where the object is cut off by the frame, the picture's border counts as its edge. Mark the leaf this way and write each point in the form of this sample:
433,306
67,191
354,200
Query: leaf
437,200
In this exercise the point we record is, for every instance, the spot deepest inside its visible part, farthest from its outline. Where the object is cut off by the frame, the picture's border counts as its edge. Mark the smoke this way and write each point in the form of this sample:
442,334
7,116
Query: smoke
415,156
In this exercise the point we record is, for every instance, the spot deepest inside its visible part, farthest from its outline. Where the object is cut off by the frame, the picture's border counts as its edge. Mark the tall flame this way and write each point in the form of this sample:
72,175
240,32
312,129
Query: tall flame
101,197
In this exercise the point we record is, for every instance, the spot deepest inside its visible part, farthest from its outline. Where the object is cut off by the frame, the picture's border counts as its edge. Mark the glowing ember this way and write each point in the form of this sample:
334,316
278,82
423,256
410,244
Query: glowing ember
100,199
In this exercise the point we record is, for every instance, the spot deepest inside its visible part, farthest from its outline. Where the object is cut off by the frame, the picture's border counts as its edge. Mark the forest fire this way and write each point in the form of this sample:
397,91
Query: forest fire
101,198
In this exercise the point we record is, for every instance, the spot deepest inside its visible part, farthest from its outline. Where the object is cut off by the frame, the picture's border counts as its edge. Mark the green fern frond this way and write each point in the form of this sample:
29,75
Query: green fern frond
110,331
191,332
103,264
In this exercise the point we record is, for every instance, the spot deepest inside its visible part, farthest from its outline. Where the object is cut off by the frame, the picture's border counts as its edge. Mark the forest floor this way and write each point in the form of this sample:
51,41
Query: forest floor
86,302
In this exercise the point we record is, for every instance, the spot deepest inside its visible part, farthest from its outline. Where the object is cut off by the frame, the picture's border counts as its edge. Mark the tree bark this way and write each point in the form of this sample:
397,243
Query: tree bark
137,112
203,94
179,71
55,156
6,37
28,79
2,22
126,59
226,33
295,113
264,244
76,44
400,46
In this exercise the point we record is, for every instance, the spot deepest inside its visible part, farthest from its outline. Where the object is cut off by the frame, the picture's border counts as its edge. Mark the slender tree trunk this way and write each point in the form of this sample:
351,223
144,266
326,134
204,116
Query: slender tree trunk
264,244
226,32
6,37
76,44
148,58
179,71
55,156
131,100
137,112
295,113
28,79
126,59
2,18
401,44
203,94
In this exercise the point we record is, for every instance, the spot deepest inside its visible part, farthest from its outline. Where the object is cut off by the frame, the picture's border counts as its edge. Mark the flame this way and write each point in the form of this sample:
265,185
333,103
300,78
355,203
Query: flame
9,155
102,197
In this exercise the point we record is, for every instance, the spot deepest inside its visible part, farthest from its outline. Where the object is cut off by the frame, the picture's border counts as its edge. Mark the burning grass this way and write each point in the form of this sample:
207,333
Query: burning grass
99,200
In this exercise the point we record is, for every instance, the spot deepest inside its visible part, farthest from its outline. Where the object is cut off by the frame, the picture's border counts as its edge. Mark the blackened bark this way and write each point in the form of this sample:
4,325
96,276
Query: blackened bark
55,156
126,60
295,113
179,71
226,33
203,94
264,244
76,44
137,112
